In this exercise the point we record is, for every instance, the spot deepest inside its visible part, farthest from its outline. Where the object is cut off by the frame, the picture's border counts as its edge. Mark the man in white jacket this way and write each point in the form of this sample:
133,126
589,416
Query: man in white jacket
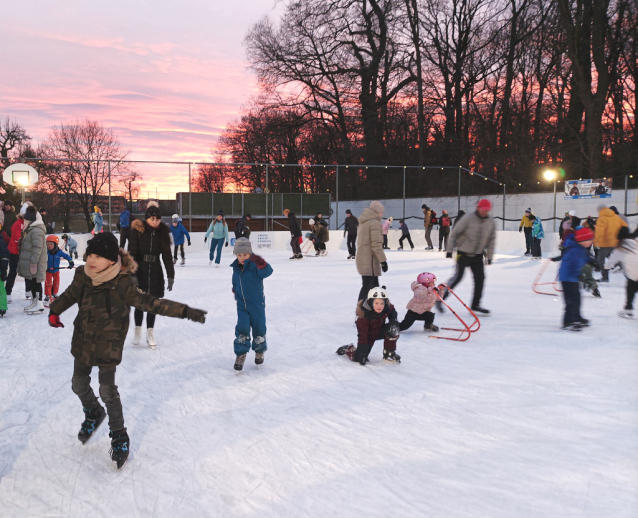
626,254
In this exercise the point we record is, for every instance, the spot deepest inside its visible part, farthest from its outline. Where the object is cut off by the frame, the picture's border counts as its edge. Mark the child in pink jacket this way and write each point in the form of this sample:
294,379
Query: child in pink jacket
419,307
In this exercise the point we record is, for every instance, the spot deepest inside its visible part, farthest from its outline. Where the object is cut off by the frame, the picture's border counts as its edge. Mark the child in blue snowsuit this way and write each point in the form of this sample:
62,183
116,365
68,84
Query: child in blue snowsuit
70,245
575,256
249,272
179,231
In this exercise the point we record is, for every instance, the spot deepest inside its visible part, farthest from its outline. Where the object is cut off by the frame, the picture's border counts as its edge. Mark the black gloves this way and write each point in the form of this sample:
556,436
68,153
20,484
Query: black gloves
71,265
226,243
196,315
448,255
205,239
189,242
3,274
489,261
384,266
520,229
170,284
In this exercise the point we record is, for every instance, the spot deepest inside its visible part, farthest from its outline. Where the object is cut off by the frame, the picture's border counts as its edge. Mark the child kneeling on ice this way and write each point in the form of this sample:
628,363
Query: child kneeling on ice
372,314
419,307
575,255
104,291
249,272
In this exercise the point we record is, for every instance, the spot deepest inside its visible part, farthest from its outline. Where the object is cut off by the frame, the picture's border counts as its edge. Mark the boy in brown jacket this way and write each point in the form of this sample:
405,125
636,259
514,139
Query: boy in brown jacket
104,291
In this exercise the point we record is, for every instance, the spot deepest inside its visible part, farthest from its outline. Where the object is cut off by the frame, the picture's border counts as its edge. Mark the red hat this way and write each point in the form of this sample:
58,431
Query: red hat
584,234
484,205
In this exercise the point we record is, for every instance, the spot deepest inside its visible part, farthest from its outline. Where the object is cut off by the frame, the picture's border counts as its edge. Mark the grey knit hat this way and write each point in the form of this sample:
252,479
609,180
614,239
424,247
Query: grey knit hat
242,246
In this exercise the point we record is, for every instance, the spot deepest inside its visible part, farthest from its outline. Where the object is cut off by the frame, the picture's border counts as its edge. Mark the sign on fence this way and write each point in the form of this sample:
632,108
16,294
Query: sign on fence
586,189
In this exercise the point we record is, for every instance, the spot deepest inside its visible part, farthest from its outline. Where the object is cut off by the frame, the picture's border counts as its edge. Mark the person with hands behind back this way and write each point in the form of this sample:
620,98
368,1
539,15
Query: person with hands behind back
249,272
104,290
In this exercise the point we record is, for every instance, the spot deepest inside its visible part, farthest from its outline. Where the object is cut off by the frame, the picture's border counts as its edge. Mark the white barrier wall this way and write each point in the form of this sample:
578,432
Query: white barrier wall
507,242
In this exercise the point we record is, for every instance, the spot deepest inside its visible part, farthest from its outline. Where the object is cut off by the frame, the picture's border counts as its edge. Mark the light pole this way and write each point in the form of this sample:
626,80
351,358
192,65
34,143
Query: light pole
550,176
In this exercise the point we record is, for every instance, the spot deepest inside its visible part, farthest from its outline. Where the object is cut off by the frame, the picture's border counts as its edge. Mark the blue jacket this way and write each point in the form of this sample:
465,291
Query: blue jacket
125,218
53,259
537,229
98,221
573,259
248,285
178,234
70,243
219,230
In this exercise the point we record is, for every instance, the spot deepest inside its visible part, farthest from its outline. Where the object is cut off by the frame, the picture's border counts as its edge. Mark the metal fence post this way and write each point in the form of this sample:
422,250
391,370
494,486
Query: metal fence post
266,197
110,228
337,198
190,200
404,168
459,195
554,220
503,206
626,185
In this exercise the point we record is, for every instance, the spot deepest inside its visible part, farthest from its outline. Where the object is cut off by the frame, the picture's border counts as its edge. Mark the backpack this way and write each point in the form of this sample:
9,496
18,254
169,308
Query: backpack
125,219
433,219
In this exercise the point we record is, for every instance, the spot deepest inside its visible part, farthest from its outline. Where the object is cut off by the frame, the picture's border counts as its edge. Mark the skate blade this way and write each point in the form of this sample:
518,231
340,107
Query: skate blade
118,466
39,312
151,346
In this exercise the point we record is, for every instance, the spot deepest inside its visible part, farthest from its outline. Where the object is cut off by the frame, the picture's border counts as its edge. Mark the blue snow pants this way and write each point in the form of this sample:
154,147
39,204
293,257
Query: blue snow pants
255,319
216,244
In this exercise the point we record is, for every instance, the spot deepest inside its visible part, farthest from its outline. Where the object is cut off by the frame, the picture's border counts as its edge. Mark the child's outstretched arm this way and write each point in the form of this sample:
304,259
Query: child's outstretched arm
263,268
149,303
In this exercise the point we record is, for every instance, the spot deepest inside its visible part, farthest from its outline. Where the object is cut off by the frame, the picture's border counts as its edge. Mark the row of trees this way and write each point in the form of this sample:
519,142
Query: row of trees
80,172
501,86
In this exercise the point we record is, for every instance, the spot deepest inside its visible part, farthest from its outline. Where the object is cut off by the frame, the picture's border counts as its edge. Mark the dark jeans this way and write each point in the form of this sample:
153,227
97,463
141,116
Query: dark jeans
367,283
125,234
428,231
81,384
411,317
604,253
36,289
475,264
138,315
529,240
444,234
571,292
181,249
13,271
385,240
294,244
403,237
536,247
352,244
632,289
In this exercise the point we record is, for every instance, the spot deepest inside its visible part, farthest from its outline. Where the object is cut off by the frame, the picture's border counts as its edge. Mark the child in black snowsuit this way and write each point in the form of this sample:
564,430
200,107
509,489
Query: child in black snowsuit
372,314
405,235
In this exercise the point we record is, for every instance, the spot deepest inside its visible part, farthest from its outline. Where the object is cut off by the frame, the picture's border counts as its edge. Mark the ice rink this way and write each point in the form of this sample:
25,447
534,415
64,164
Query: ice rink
522,420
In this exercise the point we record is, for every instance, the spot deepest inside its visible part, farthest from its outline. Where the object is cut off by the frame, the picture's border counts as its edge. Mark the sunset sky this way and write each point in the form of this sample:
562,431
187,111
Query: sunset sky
166,76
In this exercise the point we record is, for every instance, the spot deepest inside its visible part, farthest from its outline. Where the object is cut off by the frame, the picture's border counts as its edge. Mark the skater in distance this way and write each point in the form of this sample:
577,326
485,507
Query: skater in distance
350,228
219,229
104,290
179,233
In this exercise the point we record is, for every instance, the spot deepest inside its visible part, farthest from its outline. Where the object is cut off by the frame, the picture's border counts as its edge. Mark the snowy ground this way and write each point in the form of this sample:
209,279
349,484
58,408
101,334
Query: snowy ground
523,420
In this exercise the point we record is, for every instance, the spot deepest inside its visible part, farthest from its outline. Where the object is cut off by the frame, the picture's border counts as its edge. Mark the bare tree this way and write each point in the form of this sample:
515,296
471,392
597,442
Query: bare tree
127,184
14,140
211,177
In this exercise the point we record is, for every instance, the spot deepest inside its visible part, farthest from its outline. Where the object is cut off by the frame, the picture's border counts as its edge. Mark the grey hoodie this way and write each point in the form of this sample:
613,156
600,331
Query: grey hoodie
473,235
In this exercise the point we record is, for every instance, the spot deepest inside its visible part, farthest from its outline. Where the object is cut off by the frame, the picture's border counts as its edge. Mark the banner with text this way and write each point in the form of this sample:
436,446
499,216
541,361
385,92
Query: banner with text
599,188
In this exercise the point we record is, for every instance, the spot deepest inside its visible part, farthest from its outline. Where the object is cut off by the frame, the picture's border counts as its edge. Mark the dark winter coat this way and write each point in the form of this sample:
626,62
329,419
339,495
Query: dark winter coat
293,225
248,284
179,232
10,218
146,246
240,227
573,258
370,323
458,217
351,225
404,229
4,256
320,221
103,313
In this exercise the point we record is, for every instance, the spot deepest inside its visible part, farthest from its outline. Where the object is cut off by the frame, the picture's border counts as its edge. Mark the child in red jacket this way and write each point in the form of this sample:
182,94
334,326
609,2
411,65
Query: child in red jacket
372,314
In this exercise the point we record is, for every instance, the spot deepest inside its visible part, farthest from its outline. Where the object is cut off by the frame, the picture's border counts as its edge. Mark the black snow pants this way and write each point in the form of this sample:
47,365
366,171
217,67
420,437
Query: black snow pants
571,293
475,263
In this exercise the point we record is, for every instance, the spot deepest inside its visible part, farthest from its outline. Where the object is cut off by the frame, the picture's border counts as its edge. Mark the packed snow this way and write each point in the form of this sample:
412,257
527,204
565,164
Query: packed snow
522,420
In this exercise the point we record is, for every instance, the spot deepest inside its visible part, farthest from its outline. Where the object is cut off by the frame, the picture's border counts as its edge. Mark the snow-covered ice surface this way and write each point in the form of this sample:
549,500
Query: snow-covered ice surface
523,420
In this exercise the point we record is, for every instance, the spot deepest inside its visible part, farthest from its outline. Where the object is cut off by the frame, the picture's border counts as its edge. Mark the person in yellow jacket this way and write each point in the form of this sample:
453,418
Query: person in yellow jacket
527,221
606,236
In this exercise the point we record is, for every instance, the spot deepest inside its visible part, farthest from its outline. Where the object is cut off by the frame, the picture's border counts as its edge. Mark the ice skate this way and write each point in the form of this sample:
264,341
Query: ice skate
210,262
92,420
28,295
239,362
259,358
8,299
626,313
2,313
119,447
182,262
431,327
583,322
299,256
596,293
482,311
30,306
174,260
345,348
573,326
137,337
46,299
349,257
150,339
391,356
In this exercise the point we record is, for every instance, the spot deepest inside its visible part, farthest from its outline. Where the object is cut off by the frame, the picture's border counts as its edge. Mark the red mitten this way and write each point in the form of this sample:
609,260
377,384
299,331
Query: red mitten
258,260
54,321
300,240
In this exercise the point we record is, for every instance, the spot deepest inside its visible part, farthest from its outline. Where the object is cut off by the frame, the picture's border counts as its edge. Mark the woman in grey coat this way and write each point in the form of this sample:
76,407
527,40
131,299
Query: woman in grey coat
32,264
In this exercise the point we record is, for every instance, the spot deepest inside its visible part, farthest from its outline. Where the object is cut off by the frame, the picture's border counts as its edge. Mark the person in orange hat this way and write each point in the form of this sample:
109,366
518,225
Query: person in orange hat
52,282
473,237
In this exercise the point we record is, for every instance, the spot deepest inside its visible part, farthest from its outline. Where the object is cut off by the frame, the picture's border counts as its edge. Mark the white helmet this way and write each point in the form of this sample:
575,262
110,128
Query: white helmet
390,219
175,216
312,221
377,293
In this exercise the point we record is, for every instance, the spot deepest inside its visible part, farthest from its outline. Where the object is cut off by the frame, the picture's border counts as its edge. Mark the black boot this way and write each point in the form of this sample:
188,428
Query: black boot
119,447
479,309
92,419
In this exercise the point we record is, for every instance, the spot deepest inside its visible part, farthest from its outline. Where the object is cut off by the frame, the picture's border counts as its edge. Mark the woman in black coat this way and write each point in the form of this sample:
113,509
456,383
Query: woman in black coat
149,241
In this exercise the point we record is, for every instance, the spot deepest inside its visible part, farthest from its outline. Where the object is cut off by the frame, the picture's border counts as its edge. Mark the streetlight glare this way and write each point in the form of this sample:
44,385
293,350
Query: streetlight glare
549,175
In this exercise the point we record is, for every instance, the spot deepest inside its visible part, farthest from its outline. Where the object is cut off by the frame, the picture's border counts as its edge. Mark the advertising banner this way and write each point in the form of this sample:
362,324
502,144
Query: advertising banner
587,189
